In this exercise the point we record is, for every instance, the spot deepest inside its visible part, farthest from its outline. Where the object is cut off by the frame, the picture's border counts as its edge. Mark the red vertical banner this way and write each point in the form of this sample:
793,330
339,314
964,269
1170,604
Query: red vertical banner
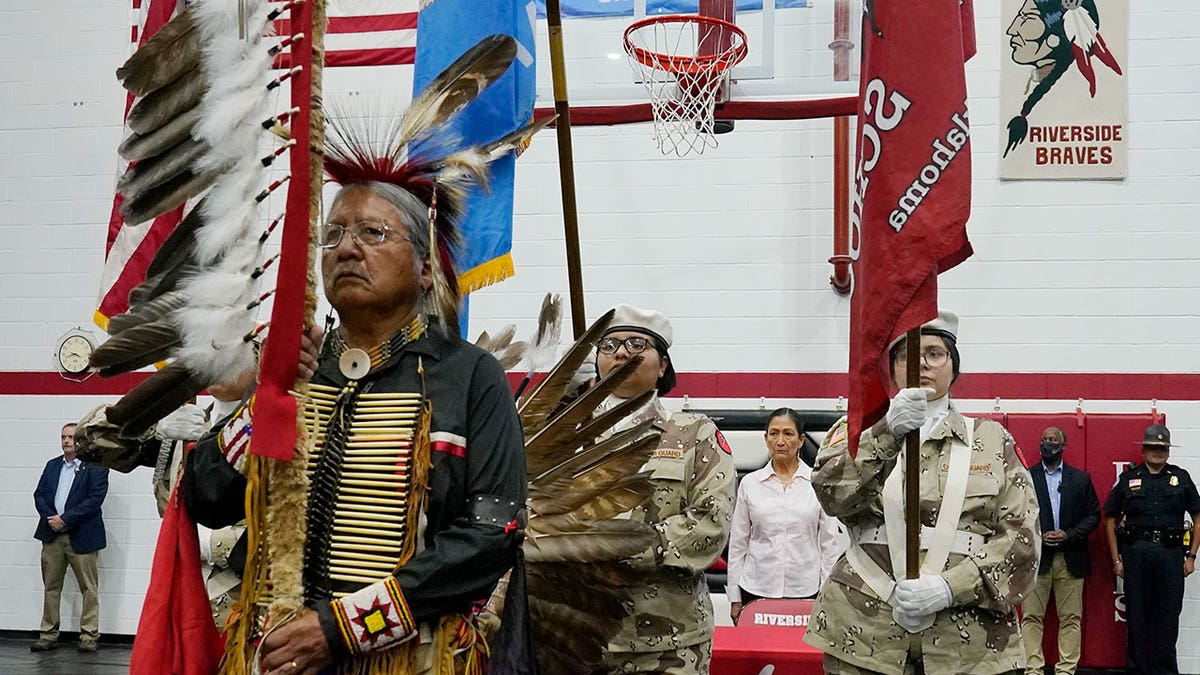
912,191
1113,441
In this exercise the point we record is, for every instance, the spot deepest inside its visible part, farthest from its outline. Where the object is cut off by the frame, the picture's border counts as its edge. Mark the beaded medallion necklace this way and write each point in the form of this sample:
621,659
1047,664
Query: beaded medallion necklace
355,363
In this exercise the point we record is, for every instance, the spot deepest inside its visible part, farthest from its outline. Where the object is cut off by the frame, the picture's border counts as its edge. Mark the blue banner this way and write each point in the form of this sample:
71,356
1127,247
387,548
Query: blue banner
445,30
625,7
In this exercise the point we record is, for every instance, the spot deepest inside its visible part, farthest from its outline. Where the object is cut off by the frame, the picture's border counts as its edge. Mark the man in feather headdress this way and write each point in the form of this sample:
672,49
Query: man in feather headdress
670,624
416,501
393,558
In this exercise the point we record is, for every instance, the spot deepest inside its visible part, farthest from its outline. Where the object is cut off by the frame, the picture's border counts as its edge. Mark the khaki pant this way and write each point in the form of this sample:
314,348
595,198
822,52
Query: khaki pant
690,660
56,556
835,666
1068,599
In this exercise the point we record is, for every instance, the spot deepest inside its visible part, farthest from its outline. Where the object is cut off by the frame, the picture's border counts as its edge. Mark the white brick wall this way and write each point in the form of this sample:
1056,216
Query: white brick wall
1068,276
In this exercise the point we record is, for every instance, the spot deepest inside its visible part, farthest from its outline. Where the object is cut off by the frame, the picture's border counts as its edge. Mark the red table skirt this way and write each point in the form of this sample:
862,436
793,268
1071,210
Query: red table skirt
746,650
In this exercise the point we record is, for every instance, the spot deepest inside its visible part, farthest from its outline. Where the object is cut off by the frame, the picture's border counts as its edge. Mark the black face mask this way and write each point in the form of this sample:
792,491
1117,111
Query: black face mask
1051,451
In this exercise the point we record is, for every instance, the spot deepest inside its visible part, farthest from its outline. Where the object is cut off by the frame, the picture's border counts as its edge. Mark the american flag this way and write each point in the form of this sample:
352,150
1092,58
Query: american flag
367,33
360,33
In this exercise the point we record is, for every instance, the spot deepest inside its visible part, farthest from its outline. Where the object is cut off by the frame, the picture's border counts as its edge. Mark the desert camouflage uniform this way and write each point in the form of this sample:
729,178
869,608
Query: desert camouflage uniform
670,626
980,632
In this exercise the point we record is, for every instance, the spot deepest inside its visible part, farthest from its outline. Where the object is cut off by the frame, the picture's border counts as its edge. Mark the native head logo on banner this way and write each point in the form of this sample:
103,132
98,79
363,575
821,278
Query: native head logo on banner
1063,89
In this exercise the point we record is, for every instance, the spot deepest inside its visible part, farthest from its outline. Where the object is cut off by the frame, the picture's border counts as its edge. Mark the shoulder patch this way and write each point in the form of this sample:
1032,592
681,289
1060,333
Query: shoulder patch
723,444
837,434
1020,455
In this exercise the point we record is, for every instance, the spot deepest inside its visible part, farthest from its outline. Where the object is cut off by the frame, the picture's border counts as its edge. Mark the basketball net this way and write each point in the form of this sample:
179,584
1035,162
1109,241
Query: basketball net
684,63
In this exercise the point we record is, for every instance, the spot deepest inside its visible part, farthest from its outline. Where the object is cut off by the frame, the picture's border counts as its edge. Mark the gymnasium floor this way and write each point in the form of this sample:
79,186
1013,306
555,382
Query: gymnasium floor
16,659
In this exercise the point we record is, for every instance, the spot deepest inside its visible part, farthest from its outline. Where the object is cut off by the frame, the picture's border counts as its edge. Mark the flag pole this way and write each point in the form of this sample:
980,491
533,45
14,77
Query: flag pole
912,466
566,168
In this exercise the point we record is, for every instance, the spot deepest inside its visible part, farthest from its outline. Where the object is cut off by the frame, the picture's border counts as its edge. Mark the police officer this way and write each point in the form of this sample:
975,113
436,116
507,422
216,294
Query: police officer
670,624
1153,498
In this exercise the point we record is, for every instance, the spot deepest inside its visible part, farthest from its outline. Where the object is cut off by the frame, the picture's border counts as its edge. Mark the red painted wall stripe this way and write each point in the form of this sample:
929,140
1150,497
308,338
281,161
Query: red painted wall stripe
1063,386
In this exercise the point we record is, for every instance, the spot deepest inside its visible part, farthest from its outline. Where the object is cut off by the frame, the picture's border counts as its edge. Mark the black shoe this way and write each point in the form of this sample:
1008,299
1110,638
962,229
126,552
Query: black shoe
43,646
88,646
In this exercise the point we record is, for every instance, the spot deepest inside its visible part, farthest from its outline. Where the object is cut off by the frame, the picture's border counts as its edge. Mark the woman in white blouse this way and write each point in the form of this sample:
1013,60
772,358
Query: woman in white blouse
782,545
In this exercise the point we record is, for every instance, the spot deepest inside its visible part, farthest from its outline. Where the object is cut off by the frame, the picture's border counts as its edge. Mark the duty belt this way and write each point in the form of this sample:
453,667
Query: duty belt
1164,536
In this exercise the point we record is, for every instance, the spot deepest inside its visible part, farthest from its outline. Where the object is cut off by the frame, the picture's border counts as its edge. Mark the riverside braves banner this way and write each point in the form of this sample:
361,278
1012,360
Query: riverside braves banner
1063,91
912,191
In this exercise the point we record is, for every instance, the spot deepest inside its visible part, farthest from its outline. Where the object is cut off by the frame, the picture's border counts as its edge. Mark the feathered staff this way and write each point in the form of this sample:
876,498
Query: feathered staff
203,82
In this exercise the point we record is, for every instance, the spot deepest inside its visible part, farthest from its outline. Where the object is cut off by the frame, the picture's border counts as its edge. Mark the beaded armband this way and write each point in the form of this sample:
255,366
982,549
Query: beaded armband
234,437
374,617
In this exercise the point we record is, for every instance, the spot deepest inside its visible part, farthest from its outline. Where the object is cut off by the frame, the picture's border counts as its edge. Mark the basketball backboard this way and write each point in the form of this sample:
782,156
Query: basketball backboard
789,52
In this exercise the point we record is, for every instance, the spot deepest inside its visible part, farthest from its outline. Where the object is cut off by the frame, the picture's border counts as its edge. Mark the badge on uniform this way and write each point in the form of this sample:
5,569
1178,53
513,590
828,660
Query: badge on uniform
1174,481
1135,483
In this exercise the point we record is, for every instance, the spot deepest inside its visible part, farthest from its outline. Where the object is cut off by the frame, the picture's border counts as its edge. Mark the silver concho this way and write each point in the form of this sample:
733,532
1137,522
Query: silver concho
354,363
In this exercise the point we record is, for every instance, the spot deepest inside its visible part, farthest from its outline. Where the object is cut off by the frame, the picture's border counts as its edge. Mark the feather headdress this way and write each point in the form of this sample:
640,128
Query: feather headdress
417,152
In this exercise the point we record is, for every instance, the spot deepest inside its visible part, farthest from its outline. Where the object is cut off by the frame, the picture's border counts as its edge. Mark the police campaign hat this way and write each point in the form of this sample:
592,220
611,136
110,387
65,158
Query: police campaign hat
1158,434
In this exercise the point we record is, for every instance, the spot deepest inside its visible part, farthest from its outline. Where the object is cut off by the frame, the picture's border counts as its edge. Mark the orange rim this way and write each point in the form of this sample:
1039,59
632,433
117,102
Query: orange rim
670,63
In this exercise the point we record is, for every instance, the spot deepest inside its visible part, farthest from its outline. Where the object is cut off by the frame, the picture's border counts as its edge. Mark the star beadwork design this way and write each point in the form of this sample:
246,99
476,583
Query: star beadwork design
375,620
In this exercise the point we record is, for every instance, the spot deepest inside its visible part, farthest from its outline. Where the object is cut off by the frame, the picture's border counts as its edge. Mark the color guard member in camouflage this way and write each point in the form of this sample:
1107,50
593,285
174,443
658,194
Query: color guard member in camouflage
670,625
964,619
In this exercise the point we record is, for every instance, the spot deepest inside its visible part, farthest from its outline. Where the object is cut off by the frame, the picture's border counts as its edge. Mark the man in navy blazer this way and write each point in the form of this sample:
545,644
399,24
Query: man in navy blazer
1070,512
68,499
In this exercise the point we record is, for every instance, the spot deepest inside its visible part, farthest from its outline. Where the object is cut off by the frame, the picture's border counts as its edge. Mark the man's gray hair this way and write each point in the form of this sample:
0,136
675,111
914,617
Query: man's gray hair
414,215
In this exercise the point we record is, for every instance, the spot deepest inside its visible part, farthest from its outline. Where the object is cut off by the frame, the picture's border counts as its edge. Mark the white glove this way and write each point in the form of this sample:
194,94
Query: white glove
186,424
913,623
583,375
927,594
907,411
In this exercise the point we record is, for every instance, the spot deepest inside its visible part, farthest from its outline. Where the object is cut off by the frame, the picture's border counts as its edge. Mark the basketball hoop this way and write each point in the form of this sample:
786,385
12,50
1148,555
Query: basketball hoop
684,61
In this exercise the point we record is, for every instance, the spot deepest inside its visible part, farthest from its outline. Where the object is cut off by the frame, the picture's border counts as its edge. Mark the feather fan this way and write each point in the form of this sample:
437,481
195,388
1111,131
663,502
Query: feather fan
502,347
578,584
537,406
543,346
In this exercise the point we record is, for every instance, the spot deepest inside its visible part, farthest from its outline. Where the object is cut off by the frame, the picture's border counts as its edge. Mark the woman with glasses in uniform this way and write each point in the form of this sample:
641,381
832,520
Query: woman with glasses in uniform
670,627
782,544
979,533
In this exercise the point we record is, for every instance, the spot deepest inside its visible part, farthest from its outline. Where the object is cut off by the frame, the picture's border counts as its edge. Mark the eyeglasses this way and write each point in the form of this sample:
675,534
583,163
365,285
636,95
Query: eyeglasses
633,345
363,232
935,357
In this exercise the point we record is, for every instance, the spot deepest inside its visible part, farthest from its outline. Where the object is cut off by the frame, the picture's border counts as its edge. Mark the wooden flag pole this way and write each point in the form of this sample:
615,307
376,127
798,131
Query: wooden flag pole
566,168
912,463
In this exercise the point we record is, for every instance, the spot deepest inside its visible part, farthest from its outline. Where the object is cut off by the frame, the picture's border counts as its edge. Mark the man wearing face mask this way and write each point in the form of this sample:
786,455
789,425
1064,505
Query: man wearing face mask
1070,512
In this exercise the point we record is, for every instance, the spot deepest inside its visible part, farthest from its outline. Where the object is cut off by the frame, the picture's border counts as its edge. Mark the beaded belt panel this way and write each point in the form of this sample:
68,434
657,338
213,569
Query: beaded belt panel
361,473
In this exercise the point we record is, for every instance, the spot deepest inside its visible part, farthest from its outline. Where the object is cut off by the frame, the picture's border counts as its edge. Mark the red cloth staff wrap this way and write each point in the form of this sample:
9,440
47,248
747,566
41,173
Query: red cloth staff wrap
274,409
